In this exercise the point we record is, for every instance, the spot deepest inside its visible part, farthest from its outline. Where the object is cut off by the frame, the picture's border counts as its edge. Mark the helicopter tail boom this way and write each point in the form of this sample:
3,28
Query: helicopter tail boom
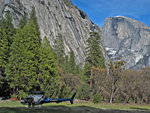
71,100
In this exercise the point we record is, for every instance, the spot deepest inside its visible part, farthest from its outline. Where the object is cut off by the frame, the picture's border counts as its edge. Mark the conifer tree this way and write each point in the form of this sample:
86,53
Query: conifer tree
23,21
7,31
66,64
77,69
48,72
34,19
59,51
6,36
94,53
23,62
3,51
72,63
85,75
7,25
94,57
3,61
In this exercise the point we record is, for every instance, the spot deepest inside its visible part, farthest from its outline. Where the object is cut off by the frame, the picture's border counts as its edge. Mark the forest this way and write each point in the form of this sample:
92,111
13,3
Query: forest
29,64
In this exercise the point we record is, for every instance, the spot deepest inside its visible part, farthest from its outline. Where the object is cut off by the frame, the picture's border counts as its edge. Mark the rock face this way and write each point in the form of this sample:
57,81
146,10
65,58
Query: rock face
1,7
128,39
56,17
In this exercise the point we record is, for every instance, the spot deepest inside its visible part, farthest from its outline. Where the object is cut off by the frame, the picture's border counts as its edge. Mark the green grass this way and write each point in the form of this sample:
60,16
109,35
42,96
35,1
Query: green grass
10,104
16,107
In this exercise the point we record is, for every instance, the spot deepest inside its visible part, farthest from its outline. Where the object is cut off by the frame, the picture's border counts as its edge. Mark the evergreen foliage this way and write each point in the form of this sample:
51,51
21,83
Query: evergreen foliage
6,33
72,63
85,76
84,91
6,24
64,91
31,66
97,98
67,64
3,50
94,53
77,69
59,51
48,72
23,21
23,62
94,56
4,88
34,19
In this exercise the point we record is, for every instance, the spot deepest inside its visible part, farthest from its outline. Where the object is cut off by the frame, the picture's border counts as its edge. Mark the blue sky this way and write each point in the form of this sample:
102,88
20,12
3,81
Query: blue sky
98,10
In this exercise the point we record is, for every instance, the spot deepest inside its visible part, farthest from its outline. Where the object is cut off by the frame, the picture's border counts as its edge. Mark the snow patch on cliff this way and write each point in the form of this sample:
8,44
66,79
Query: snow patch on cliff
111,52
138,57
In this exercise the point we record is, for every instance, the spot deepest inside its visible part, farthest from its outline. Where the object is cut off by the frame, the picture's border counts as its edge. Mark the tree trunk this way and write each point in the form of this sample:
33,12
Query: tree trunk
38,78
91,83
91,80
112,90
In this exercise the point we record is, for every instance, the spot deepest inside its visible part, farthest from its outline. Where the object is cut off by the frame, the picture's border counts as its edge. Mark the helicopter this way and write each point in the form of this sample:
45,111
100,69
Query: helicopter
39,99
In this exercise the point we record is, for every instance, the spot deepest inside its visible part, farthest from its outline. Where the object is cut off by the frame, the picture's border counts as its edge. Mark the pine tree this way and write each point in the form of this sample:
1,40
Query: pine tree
94,57
3,51
48,72
77,69
66,64
34,19
23,62
23,21
59,51
6,37
7,25
85,76
94,53
72,63
4,89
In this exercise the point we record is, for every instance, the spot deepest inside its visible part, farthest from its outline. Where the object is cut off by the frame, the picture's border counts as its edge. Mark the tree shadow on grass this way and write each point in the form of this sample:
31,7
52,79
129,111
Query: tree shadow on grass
50,109
29,110
138,108
64,109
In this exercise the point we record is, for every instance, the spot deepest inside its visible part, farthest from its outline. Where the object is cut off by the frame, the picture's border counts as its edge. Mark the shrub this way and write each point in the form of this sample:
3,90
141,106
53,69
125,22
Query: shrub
97,98
22,94
131,100
68,3
117,101
64,91
84,92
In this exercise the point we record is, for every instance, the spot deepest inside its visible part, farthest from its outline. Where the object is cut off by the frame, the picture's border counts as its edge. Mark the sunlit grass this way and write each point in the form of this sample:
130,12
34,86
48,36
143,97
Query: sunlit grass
67,105
10,103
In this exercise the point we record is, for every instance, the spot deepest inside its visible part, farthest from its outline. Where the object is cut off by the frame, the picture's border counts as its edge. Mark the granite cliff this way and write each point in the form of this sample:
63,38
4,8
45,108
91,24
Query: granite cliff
128,39
56,17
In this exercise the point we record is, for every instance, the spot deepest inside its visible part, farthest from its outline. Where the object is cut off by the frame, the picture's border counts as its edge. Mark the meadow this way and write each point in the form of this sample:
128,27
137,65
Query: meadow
82,107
